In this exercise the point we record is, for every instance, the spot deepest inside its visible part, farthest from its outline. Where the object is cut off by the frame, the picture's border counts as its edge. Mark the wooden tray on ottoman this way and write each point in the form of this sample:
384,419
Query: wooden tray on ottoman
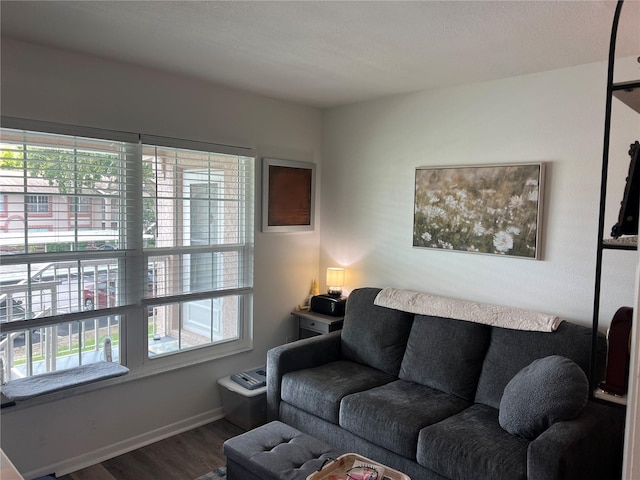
338,470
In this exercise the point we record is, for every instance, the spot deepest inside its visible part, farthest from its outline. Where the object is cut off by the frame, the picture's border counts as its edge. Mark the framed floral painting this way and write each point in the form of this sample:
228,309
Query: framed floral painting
492,209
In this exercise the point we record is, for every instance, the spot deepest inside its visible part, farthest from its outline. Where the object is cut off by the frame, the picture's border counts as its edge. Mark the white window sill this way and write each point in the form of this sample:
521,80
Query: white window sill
152,367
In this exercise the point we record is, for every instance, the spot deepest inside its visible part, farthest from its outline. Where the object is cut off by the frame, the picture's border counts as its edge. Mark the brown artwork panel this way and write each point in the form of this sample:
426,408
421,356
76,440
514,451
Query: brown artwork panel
289,196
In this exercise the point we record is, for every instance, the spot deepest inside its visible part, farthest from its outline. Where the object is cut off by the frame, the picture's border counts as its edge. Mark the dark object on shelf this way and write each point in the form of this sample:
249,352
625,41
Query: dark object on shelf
628,216
328,304
618,355
251,379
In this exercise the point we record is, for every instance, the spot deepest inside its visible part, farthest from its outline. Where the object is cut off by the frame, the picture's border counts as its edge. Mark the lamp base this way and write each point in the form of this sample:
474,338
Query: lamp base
328,305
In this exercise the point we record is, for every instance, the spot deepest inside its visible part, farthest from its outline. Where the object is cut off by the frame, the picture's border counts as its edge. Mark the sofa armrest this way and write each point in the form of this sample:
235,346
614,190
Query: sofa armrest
307,353
589,446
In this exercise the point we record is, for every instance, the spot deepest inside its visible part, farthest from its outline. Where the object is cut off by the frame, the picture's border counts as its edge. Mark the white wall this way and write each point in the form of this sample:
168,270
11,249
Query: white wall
371,150
51,85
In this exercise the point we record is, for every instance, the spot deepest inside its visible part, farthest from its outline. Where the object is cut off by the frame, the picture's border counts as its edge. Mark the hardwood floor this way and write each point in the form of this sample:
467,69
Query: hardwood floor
182,457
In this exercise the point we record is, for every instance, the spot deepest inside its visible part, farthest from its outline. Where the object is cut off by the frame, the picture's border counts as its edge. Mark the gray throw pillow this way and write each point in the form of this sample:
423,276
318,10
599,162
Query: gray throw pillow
548,390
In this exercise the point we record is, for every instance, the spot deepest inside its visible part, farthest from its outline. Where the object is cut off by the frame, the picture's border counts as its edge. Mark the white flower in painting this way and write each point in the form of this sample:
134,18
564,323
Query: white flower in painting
433,198
478,229
532,181
532,196
449,201
513,230
516,201
435,212
426,236
472,248
503,241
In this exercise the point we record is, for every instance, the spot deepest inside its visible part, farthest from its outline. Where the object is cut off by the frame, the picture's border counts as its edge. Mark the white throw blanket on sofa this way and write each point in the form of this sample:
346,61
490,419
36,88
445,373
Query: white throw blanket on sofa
495,315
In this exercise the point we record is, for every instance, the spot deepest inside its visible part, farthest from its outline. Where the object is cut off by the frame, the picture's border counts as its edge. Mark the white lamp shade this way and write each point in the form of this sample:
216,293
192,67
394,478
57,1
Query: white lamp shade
335,277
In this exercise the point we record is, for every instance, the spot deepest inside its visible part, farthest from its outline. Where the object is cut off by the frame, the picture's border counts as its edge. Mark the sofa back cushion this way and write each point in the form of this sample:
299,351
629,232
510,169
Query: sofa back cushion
372,335
446,354
511,350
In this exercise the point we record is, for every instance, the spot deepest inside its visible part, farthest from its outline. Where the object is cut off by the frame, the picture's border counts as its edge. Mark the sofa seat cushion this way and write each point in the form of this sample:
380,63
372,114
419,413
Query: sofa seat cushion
472,445
319,390
372,335
392,415
446,354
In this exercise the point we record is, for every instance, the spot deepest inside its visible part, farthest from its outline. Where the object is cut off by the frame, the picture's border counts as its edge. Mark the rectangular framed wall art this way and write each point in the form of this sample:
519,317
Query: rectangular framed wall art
288,195
491,209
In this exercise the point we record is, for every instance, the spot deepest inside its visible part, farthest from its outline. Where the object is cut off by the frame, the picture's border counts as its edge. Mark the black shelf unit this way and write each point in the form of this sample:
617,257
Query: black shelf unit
629,94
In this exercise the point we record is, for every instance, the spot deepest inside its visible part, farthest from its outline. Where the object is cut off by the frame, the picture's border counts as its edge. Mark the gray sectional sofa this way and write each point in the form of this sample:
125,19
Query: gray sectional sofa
441,398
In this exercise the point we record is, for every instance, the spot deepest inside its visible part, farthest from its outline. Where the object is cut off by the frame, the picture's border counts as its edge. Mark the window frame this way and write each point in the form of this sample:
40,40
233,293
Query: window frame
80,206
34,209
133,326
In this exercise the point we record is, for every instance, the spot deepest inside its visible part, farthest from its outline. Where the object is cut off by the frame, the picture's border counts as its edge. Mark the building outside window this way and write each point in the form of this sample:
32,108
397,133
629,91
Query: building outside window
175,259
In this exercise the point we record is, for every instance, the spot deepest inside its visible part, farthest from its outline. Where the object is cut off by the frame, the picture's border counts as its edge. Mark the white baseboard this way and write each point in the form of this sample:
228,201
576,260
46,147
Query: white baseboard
97,456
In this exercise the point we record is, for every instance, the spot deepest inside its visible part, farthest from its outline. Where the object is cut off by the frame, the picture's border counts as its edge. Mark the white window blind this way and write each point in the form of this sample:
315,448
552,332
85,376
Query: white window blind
96,228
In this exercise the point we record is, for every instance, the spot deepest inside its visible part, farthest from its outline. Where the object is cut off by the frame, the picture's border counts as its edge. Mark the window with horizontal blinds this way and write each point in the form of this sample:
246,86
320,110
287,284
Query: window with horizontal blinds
61,255
199,215
101,227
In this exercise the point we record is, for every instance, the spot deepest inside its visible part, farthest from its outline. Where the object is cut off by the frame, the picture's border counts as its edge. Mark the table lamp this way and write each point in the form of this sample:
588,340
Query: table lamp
335,281
331,303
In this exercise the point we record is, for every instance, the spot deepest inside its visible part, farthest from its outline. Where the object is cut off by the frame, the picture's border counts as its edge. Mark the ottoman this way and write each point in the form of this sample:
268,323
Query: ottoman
275,451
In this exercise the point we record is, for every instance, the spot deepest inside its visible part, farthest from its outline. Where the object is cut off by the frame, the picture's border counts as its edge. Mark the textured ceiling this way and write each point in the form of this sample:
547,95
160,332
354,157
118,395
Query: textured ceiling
329,53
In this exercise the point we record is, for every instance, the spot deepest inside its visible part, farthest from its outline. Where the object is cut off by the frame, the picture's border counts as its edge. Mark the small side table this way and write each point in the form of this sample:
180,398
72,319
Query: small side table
311,323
